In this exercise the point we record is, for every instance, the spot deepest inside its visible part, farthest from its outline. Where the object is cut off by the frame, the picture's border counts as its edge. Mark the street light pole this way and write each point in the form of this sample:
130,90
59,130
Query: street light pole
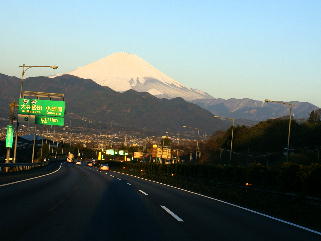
290,105
24,69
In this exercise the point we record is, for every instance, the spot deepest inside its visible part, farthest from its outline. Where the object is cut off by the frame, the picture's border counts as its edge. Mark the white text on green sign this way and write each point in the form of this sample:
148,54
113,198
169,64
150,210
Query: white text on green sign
48,120
41,107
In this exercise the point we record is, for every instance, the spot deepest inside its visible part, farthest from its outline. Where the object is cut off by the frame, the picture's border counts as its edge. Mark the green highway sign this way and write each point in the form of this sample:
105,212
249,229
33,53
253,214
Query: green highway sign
50,120
41,107
9,136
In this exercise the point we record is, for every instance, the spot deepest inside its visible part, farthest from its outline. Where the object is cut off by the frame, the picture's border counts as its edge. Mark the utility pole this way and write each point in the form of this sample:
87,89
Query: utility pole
290,105
177,151
232,133
15,142
33,147
232,137
289,131
41,146
125,142
197,151
221,151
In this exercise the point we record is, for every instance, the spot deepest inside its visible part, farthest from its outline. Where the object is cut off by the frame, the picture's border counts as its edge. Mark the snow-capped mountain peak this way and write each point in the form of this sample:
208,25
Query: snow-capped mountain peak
123,71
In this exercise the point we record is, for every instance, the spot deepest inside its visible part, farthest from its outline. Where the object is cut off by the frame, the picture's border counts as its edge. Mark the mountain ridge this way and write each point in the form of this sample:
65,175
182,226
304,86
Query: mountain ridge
254,110
130,110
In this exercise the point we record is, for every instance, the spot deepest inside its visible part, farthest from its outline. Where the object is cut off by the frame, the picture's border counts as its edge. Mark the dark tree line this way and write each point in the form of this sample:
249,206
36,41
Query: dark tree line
270,137
315,116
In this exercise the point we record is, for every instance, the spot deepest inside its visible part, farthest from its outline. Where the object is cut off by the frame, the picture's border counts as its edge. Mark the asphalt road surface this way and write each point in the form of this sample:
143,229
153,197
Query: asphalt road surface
81,203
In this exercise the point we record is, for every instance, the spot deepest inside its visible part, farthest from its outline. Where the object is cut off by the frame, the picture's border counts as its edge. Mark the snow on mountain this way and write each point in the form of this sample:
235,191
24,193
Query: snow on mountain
124,71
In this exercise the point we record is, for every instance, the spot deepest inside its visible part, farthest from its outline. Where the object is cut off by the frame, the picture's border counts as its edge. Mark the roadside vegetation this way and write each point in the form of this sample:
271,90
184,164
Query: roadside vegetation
258,176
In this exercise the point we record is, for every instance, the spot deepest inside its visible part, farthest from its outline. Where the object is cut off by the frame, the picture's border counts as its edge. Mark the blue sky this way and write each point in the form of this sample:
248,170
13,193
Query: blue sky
255,49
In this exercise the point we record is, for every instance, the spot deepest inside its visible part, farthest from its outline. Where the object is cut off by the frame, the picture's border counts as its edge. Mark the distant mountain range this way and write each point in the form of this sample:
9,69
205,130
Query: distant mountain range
123,71
105,108
254,110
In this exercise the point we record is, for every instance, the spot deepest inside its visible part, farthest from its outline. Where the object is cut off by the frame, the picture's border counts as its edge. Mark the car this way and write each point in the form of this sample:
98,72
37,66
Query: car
95,163
78,162
104,167
89,164
69,160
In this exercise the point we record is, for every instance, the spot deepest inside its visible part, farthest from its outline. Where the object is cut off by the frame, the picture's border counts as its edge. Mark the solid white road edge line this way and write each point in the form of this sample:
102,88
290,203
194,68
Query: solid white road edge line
28,179
172,214
143,192
237,206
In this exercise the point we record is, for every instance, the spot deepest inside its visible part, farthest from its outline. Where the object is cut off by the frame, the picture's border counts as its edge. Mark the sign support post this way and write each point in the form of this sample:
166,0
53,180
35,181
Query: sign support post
33,146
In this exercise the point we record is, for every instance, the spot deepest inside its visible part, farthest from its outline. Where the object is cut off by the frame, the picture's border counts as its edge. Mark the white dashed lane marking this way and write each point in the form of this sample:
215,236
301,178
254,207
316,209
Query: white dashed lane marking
143,192
172,214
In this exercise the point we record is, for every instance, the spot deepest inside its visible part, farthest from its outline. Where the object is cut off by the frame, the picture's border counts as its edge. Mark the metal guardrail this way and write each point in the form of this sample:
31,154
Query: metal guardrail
15,167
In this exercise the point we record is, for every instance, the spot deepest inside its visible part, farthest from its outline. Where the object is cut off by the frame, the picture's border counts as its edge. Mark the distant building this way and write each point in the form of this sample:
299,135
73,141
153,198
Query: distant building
166,153
162,151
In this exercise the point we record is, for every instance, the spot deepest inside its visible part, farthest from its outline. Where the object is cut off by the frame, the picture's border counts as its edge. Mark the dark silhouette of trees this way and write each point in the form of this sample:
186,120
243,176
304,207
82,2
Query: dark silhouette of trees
268,138
315,116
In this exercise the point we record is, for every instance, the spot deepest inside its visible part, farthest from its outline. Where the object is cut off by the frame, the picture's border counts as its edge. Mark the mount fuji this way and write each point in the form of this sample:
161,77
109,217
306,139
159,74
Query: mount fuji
123,71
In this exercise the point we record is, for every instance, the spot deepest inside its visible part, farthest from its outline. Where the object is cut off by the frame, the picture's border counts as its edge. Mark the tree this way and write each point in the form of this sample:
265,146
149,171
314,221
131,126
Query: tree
315,116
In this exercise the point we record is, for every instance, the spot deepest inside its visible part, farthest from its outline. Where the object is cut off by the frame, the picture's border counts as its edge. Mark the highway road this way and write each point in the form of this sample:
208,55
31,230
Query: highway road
80,203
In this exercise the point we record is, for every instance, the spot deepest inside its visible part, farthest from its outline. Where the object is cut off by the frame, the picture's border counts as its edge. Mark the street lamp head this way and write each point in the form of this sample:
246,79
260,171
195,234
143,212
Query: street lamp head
54,67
